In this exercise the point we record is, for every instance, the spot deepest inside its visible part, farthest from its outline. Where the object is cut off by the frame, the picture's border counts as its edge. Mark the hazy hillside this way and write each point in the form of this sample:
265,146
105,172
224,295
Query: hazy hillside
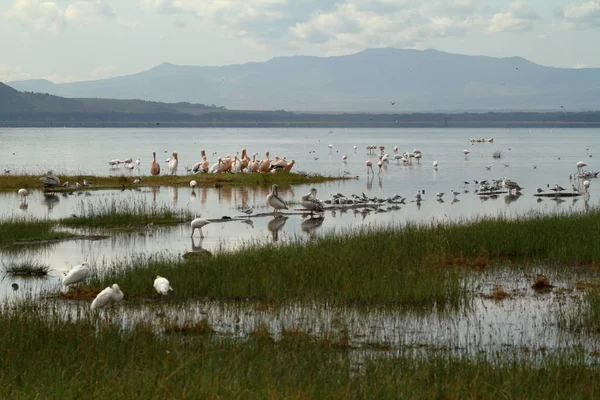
367,81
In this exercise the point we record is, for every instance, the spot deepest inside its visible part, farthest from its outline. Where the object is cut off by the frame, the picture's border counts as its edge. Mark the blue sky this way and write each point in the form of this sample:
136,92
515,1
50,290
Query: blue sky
65,41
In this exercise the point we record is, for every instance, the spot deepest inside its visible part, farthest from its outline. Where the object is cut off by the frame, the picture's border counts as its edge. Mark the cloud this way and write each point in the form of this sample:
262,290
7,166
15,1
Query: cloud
47,16
103,72
12,73
126,23
581,16
41,16
518,18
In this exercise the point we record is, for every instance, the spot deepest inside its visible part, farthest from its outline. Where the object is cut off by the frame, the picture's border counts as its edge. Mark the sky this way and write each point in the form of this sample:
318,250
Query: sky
67,41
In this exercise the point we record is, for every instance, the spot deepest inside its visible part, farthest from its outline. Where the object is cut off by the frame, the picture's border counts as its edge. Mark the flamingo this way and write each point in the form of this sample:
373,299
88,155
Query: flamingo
193,184
274,200
23,193
586,185
369,165
173,164
162,286
198,223
435,165
344,158
580,166
154,166
108,296
79,273
466,152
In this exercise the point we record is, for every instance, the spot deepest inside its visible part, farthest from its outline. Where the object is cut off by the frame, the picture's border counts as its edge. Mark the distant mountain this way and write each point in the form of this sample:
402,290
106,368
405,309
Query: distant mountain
368,81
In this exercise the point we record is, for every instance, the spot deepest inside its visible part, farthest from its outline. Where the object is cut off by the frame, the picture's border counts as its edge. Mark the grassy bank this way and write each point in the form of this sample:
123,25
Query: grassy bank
125,214
44,355
20,229
417,266
15,182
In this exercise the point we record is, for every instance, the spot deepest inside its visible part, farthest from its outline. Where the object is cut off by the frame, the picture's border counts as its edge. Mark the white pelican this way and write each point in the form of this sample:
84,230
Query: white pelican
253,165
311,203
274,200
265,164
108,296
193,184
278,164
216,167
289,166
369,165
154,166
198,223
162,286
50,180
23,193
173,164
79,273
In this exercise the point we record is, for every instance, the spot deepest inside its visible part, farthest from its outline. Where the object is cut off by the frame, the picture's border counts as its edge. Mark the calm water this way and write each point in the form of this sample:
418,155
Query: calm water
526,320
87,151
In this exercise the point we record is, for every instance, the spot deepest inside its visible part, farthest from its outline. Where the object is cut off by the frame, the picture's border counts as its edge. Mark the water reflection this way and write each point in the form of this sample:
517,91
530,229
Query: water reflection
311,224
511,198
275,225
50,200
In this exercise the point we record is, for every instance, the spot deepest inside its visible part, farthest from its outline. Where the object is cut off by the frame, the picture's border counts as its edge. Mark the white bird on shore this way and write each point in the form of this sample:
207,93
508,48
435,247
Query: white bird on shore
107,297
273,200
311,203
50,180
77,274
198,223
173,164
162,286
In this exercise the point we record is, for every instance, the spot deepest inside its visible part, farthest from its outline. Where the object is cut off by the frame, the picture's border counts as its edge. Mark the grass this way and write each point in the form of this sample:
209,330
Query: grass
125,214
27,268
21,229
418,266
497,154
47,355
15,182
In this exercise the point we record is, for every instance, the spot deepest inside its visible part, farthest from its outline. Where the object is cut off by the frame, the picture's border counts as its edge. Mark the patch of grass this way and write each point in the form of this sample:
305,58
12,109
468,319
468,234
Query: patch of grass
27,268
15,182
83,358
497,154
21,229
125,214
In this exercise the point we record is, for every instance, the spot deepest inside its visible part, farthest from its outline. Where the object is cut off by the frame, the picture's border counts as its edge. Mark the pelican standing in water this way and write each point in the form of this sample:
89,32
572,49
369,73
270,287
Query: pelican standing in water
274,200
154,166
173,164
311,203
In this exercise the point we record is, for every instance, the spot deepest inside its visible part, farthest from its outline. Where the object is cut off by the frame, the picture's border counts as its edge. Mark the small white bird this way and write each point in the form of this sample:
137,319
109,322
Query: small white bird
107,297
162,286
193,184
77,274
136,181
198,223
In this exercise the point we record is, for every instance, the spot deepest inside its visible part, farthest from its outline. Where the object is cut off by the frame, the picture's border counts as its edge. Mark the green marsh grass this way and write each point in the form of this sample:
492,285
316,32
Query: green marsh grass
497,154
45,354
125,214
15,182
20,229
418,265
26,268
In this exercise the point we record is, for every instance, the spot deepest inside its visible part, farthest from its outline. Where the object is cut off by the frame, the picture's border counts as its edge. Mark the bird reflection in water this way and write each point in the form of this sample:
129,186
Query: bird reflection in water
23,206
510,198
370,182
197,247
50,200
174,194
154,190
275,225
193,195
310,225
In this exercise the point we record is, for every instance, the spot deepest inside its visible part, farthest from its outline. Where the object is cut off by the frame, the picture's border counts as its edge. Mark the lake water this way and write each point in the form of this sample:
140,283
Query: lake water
554,153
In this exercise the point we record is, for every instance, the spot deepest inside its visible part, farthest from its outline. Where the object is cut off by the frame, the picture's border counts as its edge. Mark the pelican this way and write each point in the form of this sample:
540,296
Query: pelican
79,273
108,296
193,184
311,203
369,165
265,164
289,166
216,167
162,286
50,180
273,200
154,166
253,165
198,223
278,165
23,193
173,164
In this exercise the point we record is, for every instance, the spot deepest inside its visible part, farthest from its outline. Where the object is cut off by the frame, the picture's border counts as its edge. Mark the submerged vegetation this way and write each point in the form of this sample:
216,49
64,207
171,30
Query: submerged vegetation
20,229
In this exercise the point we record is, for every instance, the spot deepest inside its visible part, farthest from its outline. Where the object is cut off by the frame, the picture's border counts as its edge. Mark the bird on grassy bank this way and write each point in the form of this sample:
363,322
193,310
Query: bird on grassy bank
198,223
78,274
162,286
154,166
109,296
173,164
50,180
311,203
274,200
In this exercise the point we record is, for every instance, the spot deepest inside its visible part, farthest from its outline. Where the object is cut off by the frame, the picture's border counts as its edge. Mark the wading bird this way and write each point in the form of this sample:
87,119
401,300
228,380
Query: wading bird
198,223
107,297
162,286
273,199
78,274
